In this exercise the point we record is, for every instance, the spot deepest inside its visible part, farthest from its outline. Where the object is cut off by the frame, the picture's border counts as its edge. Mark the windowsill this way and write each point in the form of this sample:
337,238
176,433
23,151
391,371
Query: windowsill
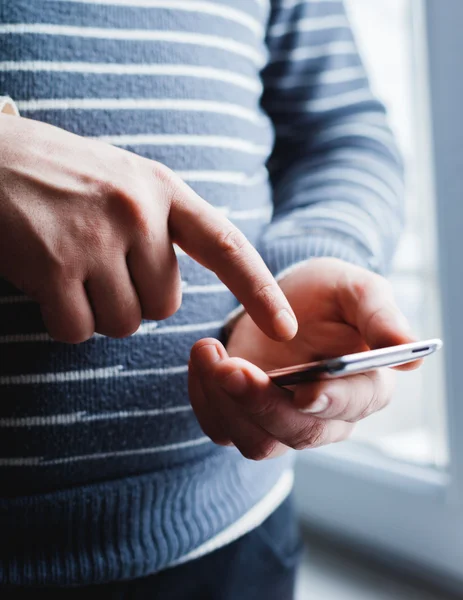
368,460
413,446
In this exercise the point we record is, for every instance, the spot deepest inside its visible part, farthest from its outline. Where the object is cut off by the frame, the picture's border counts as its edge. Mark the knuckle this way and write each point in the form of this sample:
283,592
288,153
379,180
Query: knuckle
231,242
362,287
55,267
340,400
261,450
311,436
215,436
121,195
260,406
220,441
204,423
122,331
127,206
374,403
59,262
162,174
169,185
265,292
369,285
165,309
121,328
71,337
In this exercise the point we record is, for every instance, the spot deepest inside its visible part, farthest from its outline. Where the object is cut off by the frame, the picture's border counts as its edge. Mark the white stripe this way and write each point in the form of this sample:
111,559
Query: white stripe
151,328
338,197
206,141
357,130
339,101
358,158
345,218
373,131
323,104
355,176
230,177
84,417
121,453
209,8
134,414
64,419
88,375
251,214
42,462
386,172
213,288
294,3
334,76
347,74
263,4
172,70
187,289
174,37
315,52
252,519
20,462
14,299
309,24
207,106
373,118
25,337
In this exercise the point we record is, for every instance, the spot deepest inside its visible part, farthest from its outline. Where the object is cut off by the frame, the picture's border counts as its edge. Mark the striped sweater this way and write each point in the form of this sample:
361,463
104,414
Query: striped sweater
264,108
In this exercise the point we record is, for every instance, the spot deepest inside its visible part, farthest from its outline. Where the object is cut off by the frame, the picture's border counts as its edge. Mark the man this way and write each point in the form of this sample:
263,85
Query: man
129,188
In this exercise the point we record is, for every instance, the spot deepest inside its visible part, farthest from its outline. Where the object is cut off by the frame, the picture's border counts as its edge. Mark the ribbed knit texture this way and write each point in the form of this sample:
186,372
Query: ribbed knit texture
104,471
116,530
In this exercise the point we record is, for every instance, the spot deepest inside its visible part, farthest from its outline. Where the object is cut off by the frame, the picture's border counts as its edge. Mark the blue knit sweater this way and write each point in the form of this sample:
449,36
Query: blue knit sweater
264,109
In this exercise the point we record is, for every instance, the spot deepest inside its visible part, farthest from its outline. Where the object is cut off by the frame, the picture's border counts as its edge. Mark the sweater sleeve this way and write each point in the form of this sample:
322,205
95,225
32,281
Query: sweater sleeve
335,169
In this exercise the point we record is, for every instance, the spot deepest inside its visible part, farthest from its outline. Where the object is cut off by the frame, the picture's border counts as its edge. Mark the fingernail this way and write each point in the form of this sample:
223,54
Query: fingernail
207,355
285,324
236,383
320,404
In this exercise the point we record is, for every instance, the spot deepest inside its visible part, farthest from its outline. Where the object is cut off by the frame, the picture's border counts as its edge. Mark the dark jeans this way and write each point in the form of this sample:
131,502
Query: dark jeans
259,566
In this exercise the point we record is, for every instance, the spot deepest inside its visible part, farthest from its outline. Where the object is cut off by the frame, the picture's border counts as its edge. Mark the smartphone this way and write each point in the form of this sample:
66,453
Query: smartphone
351,364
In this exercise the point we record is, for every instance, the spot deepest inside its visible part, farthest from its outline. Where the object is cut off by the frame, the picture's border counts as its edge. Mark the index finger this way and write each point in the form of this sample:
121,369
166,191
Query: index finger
213,241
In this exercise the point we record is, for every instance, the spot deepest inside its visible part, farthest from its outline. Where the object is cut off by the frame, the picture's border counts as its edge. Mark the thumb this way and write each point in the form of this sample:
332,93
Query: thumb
206,354
212,363
370,306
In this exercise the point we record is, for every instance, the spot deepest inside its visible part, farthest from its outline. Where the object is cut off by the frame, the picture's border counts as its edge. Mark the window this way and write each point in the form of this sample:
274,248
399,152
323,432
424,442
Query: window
397,486
413,428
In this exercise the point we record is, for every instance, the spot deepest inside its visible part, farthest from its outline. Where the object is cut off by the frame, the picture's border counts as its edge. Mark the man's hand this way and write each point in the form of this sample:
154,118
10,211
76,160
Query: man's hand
341,309
87,230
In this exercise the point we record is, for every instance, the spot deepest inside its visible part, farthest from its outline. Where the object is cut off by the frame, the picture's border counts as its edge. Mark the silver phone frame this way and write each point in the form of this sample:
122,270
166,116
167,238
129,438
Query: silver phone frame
352,364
